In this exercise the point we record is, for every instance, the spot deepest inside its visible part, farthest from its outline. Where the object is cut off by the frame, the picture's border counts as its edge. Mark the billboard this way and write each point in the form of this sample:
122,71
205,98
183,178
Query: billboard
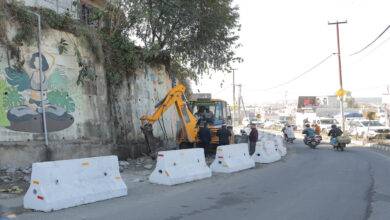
307,102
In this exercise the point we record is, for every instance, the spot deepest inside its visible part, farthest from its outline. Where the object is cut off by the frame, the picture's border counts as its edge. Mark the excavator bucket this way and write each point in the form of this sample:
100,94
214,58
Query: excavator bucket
151,142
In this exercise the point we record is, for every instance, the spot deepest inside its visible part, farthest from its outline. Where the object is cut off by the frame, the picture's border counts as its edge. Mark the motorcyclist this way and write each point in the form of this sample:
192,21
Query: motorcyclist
309,132
334,133
317,129
288,131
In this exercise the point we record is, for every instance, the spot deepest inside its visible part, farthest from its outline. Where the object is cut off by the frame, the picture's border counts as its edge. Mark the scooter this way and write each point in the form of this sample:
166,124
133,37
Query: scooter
289,139
313,141
289,136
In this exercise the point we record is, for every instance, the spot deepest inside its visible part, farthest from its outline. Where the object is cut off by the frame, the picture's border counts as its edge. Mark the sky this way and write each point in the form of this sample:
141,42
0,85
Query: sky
282,39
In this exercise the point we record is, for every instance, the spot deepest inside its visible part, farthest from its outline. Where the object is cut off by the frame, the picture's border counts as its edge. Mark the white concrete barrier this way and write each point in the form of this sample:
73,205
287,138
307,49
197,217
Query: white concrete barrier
279,146
232,158
271,149
66,183
264,155
180,166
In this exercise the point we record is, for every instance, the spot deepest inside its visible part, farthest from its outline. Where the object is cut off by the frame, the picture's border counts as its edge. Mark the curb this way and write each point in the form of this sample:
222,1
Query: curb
380,147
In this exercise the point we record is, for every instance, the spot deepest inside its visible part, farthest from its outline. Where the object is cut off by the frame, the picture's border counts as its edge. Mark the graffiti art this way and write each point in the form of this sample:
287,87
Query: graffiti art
21,105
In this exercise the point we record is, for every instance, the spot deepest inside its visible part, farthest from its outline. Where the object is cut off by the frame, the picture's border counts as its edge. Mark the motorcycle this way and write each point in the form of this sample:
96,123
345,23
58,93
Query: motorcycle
340,143
289,139
289,136
313,141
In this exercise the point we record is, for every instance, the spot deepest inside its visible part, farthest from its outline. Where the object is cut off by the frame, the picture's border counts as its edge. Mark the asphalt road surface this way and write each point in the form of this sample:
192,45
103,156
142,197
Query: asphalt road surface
307,184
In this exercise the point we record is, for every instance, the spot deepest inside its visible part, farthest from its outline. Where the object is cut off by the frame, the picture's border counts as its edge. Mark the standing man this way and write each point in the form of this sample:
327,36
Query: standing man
224,135
204,135
253,136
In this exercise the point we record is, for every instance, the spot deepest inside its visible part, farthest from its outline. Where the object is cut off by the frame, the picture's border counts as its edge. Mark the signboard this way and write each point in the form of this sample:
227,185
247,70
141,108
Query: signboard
341,92
306,102
370,115
201,96
251,114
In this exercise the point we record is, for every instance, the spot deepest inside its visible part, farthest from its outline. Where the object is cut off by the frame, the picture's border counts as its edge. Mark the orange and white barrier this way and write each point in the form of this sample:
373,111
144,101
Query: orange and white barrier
232,158
180,166
66,183
265,154
280,146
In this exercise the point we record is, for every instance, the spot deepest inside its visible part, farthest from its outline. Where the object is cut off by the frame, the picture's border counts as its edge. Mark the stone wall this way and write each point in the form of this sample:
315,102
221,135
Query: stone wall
83,121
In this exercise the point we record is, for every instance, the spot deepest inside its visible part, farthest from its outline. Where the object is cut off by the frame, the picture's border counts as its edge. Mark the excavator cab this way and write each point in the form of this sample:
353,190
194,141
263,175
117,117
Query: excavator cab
214,112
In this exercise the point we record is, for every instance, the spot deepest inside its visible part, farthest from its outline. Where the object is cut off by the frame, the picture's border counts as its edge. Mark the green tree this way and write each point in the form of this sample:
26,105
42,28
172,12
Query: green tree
197,36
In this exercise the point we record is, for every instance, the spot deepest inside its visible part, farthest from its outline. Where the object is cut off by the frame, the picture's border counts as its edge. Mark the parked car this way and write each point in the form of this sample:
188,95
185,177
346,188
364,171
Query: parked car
373,128
280,124
326,124
269,124
247,121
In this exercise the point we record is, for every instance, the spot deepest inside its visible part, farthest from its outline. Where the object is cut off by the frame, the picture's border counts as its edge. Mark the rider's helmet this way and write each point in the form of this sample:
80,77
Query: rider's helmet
288,125
334,126
307,125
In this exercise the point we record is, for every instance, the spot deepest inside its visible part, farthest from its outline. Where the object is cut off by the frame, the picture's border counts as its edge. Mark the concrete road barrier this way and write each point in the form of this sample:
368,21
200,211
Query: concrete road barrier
232,158
264,155
271,149
280,146
66,183
180,166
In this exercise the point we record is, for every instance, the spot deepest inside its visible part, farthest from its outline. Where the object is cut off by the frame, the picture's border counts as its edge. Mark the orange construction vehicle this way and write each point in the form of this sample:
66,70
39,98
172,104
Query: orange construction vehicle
191,113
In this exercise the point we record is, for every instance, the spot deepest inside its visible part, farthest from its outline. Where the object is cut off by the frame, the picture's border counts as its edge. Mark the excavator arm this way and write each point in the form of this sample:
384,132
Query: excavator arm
187,119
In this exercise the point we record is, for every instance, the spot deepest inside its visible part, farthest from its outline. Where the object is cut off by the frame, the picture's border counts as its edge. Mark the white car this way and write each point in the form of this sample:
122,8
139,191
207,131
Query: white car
247,121
326,124
373,128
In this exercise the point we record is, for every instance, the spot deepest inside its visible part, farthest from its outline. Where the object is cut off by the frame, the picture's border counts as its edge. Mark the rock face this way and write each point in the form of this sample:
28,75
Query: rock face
95,119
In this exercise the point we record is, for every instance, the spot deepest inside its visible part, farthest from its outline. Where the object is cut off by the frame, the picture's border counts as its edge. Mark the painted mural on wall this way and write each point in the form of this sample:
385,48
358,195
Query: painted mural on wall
20,96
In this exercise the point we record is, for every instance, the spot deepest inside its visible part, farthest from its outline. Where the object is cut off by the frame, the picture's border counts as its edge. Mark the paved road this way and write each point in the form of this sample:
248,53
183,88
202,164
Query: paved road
307,184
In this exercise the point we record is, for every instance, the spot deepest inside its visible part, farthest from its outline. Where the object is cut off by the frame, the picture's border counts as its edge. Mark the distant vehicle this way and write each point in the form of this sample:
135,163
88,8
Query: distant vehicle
326,124
269,124
280,124
373,128
247,121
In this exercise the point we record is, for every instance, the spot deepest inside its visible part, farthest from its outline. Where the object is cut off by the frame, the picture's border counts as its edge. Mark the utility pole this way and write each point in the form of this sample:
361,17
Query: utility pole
239,104
340,74
234,102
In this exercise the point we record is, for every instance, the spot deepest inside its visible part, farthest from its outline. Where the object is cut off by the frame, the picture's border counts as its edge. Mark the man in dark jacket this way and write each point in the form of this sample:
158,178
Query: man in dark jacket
334,133
253,139
204,135
224,135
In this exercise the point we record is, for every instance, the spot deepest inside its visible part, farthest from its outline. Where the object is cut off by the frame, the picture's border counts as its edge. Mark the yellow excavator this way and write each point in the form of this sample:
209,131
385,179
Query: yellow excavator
191,115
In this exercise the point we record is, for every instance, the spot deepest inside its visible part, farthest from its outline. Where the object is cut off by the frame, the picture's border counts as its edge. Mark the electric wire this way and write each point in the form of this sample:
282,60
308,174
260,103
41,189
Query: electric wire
300,75
224,89
380,35
372,51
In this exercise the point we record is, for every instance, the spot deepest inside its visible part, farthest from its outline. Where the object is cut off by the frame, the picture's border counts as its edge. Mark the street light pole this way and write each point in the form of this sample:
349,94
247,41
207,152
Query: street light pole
340,73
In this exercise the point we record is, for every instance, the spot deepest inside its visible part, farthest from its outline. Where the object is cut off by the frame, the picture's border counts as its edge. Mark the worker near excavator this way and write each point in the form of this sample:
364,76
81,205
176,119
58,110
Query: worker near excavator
204,135
224,135
209,116
253,136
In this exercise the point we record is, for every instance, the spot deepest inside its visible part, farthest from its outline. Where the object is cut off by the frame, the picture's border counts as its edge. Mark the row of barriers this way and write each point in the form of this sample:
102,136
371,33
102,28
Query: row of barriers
67,183
175,167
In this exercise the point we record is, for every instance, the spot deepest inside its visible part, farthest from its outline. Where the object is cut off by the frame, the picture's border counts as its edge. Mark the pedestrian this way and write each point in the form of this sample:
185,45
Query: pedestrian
253,136
224,135
204,135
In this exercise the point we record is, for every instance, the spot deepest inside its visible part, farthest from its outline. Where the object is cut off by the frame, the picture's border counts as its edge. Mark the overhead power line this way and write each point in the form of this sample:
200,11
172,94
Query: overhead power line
372,51
300,75
222,90
380,35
